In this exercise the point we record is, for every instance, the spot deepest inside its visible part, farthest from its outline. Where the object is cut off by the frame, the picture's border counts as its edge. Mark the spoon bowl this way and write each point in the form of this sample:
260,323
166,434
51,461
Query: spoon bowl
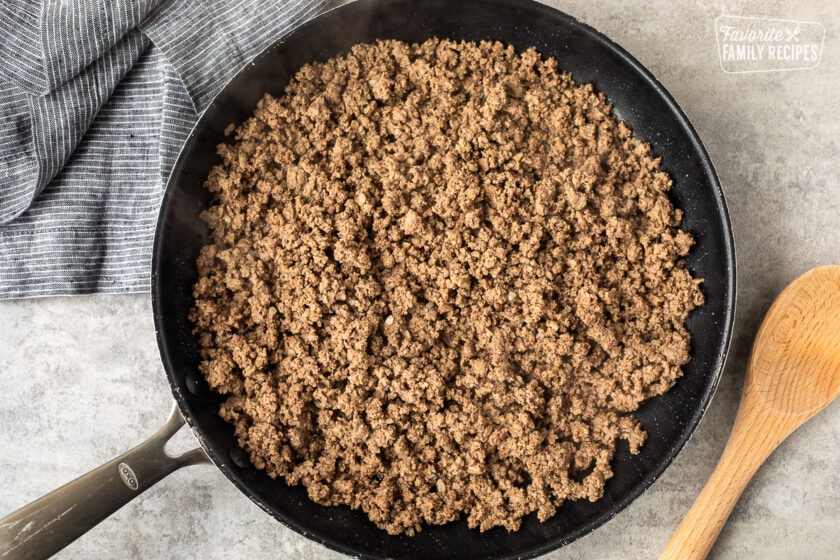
795,363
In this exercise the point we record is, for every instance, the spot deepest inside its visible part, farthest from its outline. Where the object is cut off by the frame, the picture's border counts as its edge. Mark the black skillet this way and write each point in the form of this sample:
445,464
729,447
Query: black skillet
670,419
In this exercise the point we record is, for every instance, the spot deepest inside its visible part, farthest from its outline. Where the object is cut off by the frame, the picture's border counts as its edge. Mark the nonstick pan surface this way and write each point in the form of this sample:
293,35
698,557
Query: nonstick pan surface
637,98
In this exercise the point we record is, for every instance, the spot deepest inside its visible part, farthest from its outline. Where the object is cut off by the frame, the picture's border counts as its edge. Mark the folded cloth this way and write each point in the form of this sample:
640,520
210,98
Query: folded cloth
96,99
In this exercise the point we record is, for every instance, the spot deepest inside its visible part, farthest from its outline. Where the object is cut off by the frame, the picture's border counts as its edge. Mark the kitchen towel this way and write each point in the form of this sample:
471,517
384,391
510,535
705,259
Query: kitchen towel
96,99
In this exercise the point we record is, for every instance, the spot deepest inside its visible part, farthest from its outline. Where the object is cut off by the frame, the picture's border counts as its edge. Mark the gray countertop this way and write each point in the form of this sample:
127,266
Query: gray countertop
82,379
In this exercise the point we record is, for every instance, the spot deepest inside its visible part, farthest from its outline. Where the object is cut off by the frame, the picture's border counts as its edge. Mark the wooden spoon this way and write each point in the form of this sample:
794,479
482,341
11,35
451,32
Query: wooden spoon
794,373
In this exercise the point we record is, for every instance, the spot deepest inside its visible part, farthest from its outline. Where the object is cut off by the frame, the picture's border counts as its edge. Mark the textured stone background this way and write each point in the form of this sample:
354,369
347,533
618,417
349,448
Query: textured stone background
82,379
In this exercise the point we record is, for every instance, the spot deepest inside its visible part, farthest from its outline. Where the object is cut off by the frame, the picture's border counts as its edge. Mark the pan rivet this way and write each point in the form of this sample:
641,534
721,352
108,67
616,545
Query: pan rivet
239,458
194,384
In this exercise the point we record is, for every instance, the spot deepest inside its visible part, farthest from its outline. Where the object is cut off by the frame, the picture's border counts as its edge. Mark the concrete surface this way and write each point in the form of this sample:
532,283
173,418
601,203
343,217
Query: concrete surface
82,381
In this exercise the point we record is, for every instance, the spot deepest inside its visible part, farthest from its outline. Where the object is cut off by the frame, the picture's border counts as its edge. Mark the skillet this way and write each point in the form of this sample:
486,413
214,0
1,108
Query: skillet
50,523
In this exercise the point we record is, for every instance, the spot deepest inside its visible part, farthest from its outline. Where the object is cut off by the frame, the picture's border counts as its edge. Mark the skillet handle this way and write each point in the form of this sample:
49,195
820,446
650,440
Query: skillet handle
50,523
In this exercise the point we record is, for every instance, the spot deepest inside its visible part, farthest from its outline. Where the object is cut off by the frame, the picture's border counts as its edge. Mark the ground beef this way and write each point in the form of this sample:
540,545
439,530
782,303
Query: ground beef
442,277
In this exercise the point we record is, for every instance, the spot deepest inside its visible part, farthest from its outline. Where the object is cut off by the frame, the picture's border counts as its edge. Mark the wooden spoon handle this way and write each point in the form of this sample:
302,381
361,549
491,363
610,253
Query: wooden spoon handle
701,526
757,432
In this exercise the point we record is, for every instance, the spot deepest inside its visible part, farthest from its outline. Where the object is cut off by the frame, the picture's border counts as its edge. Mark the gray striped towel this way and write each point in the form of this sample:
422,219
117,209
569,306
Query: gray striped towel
96,99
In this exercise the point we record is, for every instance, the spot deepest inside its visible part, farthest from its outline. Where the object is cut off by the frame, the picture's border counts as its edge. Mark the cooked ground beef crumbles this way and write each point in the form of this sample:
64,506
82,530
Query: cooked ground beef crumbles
442,277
